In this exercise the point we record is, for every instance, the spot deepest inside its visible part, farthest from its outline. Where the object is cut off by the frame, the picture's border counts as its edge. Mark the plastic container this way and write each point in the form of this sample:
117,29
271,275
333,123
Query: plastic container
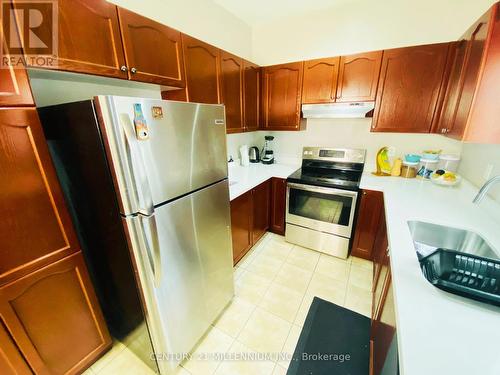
464,274
412,158
449,162
426,167
430,155
409,169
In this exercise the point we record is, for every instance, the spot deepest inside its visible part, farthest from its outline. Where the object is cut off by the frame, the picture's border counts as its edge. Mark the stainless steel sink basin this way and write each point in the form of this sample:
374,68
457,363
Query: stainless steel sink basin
428,237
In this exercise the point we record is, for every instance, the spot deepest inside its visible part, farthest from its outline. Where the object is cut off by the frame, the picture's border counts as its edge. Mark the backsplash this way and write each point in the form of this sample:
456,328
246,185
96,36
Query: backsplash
477,159
355,133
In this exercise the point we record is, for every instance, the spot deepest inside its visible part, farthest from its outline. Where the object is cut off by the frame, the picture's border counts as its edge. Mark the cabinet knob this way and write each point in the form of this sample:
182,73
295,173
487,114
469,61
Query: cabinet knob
133,70
123,68
364,192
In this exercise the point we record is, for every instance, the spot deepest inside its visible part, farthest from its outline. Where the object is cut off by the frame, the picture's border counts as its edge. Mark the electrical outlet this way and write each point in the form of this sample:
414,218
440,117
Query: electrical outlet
487,172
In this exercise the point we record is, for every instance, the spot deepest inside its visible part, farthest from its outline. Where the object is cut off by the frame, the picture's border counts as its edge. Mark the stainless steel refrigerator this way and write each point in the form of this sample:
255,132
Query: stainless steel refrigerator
146,182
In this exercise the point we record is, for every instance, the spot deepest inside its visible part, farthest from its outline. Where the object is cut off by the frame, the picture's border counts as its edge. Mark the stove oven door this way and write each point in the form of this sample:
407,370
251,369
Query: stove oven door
323,209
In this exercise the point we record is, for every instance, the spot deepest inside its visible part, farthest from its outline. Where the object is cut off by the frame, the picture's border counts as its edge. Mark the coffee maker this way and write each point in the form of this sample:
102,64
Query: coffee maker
267,152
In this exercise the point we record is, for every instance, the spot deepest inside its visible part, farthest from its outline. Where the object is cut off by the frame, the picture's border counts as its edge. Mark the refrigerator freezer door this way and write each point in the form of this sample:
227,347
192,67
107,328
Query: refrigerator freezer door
184,262
184,148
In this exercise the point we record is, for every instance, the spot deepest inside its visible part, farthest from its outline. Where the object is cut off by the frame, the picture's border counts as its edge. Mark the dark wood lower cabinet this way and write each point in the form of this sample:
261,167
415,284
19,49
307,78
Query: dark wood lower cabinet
241,225
278,205
53,317
367,224
261,196
11,359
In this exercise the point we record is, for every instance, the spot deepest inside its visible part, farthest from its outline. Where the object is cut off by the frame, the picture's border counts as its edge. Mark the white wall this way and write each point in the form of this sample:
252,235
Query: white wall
479,162
363,25
202,19
234,141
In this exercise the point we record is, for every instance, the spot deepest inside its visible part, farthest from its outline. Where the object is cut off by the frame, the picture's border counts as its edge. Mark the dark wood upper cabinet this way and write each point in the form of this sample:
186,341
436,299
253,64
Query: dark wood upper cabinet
35,226
54,318
261,210
281,96
153,51
278,205
89,38
320,80
202,64
411,79
232,90
251,95
470,107
15,88
367,223
358,77
241,225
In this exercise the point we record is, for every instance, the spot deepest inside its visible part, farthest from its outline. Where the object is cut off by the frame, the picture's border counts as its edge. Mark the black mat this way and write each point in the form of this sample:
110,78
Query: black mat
334,341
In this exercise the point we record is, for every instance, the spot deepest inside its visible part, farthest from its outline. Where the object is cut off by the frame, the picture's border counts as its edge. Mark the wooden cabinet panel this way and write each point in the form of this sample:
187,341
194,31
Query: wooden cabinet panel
380,248
232,90
261,210
89,38
476,40
153,51
241,225
483,125
251,95
320,80
281,96
202,62
11,359
53,316
278,205
358,77
35,226
410,83
367,223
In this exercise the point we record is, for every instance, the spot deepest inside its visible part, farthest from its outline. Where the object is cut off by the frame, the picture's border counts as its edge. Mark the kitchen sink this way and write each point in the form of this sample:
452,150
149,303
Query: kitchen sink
428,237
457,261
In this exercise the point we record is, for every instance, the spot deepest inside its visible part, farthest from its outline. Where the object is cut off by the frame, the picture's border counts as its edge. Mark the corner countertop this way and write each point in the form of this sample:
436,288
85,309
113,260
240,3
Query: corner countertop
243,179
438,332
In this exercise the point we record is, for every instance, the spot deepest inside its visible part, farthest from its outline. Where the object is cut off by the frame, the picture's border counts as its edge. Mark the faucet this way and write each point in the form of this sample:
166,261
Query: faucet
482,192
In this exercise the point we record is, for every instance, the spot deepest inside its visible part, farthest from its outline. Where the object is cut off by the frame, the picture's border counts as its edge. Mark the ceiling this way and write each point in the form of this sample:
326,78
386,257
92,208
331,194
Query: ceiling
254,12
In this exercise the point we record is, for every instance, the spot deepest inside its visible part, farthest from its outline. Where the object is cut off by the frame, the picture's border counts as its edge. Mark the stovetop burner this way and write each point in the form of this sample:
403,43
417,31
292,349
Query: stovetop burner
340,168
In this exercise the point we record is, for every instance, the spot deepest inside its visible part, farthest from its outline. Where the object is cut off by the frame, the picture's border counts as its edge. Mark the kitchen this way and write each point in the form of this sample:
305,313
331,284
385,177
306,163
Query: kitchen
341,89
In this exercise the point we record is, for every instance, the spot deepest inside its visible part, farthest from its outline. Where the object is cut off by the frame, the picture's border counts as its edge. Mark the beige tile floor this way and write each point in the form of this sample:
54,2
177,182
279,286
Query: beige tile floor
275,284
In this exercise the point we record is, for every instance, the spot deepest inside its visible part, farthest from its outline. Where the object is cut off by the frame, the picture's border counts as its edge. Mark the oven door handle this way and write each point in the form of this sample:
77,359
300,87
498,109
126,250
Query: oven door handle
323,190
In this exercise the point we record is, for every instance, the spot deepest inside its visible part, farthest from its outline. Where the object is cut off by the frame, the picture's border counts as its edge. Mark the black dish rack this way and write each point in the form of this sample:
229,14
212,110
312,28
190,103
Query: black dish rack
464,274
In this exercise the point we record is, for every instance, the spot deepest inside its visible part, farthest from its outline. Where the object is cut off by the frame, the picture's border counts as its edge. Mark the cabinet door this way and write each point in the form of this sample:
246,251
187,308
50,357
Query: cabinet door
11,359
15,88
320,80
241,225
358,77
454,86
153,51
278,205
89,38
251,79
380,286
367,224
380,248
261,210
475,44
202,62
35,227
408,91
53,316
232,90
281,96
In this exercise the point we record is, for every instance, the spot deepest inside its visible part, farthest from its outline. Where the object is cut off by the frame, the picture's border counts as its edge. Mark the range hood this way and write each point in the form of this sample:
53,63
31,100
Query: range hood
338,110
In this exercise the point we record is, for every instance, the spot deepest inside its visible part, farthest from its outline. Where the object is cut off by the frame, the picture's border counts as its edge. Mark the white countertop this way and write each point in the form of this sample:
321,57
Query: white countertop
243,179
438,332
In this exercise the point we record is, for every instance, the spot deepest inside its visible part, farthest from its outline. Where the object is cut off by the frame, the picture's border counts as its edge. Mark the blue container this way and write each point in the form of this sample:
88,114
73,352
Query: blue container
412,158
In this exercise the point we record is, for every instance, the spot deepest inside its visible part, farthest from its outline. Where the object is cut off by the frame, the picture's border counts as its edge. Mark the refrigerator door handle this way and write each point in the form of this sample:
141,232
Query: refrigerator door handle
149,232
137,168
